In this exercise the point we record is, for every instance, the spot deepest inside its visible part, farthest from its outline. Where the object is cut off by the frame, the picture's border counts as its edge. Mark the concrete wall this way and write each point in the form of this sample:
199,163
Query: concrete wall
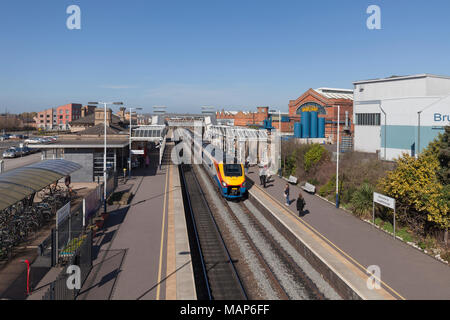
85,158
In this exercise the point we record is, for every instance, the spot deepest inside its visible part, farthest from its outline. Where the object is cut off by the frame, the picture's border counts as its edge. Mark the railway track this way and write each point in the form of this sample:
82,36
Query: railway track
219,276
274,265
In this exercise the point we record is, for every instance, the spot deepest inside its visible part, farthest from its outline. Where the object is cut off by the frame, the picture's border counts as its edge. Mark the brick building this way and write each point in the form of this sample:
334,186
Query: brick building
66,114
46,119
325,102
244,118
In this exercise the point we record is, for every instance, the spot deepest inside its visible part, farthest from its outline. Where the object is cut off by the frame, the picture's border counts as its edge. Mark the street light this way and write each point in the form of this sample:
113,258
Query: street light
280,174
131,123
337,162
104,153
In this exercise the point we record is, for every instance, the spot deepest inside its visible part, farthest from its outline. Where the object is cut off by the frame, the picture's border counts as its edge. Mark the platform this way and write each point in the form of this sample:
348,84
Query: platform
142,252
349,246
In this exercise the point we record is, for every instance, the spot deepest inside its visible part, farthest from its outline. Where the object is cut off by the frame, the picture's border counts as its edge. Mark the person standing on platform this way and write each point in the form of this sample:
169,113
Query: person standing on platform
286,194
261,169
300,204
265,176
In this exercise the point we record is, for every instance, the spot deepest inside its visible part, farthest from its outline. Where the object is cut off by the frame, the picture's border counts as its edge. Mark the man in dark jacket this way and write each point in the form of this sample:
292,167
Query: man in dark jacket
300,205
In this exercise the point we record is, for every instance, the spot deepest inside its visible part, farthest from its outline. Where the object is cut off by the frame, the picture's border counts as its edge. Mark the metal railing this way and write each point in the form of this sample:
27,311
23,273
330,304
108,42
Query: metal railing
82,257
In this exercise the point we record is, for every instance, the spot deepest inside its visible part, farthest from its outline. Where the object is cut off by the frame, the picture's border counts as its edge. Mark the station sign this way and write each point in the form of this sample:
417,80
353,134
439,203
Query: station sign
384,200
139,152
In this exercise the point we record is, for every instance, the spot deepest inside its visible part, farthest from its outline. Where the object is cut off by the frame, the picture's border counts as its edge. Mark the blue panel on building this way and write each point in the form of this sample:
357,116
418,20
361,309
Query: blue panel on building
321,129
298,130
314,124
306,124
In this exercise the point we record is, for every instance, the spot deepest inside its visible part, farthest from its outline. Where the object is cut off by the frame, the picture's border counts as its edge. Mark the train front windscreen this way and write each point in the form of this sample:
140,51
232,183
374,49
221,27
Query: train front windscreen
232,170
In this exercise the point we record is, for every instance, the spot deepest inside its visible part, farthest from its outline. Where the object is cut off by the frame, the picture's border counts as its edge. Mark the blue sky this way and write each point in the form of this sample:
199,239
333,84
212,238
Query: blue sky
228,54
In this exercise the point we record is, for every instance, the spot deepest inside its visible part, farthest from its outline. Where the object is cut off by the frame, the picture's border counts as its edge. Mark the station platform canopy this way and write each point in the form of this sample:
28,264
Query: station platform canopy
154,133
239,133
16,185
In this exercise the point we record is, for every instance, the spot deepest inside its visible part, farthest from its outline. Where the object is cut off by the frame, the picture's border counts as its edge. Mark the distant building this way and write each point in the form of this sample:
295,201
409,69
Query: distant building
243,118
46,120
400,114
96,119
323,103
66,114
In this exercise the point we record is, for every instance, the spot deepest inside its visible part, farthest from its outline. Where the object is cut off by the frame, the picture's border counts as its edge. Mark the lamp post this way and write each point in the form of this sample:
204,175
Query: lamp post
104,152
131,124
337,153
279,149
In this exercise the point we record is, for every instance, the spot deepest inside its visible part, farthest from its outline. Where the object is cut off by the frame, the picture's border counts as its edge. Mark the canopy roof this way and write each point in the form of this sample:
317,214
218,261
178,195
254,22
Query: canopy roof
15,185
149,133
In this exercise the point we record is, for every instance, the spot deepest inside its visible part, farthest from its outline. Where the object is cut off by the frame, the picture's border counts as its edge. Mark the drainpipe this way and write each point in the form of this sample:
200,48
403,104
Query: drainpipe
385,132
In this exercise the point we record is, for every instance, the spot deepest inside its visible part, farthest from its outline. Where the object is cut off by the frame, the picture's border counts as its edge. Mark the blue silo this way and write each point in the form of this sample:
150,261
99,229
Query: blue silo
321,131
306,123
314,124
298,130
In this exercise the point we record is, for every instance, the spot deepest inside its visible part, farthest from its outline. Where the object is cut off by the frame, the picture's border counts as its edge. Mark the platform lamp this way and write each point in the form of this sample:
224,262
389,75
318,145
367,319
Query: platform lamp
131,124
337,155
280,172
104,153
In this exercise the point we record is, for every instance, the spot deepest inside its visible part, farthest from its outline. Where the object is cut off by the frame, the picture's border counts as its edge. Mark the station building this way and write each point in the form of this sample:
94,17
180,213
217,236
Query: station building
400,114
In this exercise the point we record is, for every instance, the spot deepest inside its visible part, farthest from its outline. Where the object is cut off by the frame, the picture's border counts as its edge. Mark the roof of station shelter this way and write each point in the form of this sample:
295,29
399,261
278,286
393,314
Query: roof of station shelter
15,185
238,132
149,133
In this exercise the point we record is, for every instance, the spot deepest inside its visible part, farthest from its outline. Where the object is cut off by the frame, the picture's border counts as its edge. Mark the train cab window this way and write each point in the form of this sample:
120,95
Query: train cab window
232,170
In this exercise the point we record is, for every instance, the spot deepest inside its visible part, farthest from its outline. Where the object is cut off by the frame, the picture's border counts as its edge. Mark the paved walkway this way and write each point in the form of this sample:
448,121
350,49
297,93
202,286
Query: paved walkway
139,255
405,271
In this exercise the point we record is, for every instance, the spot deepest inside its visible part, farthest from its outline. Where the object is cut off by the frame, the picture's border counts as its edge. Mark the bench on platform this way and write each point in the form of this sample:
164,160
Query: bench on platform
309,188
291,180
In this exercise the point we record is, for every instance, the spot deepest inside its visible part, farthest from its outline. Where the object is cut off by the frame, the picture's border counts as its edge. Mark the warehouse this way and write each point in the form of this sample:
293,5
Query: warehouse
400,114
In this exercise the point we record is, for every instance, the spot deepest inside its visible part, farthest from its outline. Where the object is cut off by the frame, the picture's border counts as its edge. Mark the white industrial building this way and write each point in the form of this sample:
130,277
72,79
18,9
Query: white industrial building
400,114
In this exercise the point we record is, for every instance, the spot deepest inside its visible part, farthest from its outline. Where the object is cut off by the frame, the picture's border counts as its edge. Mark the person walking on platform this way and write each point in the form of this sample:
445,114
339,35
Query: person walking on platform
286,194
261,172
300,205
264,176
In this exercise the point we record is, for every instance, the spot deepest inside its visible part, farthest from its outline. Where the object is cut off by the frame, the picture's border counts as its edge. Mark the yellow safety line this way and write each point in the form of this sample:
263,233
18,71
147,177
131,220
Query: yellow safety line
327,240
171,283
162,237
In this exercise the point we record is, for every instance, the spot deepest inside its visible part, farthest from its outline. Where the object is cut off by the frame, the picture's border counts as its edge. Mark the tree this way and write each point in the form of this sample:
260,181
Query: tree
415,185
443,157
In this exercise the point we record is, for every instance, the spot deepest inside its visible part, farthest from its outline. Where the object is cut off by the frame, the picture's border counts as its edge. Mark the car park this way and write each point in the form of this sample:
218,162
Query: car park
32,140
11,153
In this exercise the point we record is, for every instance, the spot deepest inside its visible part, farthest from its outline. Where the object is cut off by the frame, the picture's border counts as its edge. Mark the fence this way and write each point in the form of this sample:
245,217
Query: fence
82,257
72,227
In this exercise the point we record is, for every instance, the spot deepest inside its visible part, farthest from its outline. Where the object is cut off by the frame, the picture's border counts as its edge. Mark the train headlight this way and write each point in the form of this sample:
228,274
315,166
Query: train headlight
224,183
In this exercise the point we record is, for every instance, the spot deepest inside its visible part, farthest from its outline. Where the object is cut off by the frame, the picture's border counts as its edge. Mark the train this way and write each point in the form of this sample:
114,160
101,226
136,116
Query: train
228,175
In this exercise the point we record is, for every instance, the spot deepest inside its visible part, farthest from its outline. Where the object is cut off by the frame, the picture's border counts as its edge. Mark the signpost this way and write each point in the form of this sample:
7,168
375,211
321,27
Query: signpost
138,152
384,201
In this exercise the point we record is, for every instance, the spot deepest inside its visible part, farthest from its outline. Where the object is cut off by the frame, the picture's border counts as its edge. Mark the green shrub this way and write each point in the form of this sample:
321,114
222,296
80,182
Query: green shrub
405,235
387,226
313,156
362,199
328,188
379,222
